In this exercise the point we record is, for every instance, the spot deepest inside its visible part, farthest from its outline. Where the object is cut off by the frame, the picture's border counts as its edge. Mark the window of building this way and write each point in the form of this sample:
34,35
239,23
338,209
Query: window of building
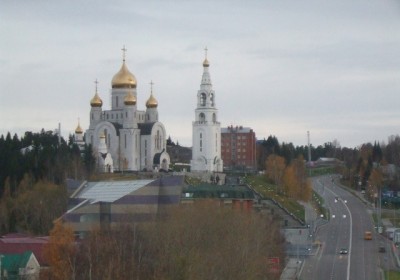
125,141
203,99
212,99
202,117
105,135
116,101
214,117
201,145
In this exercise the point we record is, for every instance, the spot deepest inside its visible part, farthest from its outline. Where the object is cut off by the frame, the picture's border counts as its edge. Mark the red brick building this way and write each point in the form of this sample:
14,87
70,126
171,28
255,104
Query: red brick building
238,148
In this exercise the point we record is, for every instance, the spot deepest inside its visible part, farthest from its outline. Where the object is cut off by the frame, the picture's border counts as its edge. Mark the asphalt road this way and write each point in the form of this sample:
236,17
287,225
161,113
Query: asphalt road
349,219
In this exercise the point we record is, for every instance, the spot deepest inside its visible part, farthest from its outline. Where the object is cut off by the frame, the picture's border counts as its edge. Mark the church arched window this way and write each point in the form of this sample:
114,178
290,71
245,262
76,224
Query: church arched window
212,99
202,117
158,140
214,117
203,99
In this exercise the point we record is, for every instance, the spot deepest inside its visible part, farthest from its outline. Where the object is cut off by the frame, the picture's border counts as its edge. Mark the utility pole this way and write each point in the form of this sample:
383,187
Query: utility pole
309,147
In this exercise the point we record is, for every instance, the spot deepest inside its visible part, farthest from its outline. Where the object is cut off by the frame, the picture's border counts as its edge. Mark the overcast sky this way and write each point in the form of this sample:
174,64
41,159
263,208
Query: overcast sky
280,67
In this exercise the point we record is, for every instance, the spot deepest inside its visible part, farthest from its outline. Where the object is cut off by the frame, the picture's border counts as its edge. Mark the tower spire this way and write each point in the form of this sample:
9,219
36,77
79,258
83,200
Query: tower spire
205,62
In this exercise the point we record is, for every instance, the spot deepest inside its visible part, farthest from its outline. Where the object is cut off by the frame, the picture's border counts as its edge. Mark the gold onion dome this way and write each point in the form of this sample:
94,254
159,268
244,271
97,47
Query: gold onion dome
78,129
206,63
130,99
96,101
124,78
151,102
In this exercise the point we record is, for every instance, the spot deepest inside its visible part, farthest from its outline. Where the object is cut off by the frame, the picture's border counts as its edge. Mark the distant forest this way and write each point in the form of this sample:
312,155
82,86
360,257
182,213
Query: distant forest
45,156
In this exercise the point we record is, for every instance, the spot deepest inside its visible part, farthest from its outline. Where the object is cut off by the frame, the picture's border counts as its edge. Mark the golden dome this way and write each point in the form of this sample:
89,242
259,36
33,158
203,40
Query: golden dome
78,129
130,99
96,101
124,78
206,63
151,102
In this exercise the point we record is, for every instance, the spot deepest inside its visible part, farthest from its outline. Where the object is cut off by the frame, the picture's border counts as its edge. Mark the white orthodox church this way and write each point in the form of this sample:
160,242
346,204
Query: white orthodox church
206,150
125,138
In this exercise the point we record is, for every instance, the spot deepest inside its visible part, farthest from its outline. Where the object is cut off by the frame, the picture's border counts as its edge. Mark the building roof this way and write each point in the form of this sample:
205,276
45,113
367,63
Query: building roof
218,191
109,191
236,129
19,243
13,262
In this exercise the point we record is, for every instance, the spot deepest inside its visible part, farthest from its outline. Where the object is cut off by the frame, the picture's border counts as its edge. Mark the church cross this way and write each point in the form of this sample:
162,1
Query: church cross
96,83
124,50
151,86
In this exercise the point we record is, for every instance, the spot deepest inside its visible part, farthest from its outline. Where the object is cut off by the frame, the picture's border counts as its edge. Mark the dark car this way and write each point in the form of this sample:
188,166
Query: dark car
343,251
382,249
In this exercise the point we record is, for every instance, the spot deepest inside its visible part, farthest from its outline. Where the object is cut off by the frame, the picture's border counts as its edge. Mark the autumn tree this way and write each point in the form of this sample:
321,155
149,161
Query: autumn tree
375,182
295,181
275,168
37,205
198,241
61,253
207,241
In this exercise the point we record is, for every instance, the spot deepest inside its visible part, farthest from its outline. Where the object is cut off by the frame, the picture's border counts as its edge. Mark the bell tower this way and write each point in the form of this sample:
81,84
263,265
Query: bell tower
206,149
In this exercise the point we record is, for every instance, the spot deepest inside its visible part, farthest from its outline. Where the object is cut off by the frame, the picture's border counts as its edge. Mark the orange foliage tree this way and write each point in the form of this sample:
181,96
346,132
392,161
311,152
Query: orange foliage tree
61,252
295,181
275,168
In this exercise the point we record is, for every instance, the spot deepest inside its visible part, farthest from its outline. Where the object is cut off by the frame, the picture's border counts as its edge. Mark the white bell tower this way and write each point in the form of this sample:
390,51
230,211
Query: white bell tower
206,150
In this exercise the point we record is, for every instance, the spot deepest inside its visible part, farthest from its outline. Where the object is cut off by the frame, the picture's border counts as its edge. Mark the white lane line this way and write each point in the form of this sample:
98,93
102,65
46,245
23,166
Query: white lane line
351,234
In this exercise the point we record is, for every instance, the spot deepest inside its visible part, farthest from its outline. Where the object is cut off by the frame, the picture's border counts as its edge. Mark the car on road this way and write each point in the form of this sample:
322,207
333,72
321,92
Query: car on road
343,251
382,249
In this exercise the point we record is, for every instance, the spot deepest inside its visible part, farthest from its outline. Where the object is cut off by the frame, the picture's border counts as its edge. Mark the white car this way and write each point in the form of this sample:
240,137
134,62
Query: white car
343,251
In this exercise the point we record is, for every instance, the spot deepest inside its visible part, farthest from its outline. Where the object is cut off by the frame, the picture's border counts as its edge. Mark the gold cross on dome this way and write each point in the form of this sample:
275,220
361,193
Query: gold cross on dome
151,86
205,50
96,83
124,50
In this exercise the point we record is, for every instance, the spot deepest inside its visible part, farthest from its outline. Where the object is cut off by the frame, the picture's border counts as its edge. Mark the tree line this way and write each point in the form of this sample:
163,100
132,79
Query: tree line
33,172
357,163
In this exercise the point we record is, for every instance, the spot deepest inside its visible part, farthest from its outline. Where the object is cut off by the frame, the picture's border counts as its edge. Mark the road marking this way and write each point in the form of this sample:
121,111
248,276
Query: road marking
351,235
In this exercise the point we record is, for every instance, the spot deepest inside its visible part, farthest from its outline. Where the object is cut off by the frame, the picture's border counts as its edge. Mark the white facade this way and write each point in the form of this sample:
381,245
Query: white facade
206,150
125,137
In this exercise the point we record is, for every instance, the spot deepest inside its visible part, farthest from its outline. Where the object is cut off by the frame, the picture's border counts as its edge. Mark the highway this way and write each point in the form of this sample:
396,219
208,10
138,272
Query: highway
350,217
